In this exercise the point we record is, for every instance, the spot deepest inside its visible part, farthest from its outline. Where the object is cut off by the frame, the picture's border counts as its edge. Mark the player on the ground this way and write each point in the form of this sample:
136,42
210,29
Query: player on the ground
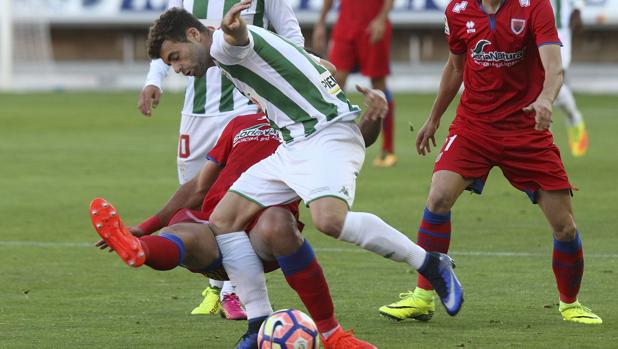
569,20
210,103
274,233
361,39
507,54
321,154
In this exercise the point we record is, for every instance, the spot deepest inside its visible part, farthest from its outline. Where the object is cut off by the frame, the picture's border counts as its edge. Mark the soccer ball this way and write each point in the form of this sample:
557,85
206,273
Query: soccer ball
288,329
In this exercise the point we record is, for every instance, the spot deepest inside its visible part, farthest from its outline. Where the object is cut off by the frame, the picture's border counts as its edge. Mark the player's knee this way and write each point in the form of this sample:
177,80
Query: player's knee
440,202
221,222
565,231
276,224
328,222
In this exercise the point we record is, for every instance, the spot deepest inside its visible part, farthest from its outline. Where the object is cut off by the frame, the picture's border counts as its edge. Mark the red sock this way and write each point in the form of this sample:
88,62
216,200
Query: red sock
568,266
388,136
434,235
304,274
162,251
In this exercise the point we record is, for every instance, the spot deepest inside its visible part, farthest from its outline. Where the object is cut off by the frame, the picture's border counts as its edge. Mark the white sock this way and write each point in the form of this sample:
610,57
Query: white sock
373,234
227,289
246,272
566,102
216,283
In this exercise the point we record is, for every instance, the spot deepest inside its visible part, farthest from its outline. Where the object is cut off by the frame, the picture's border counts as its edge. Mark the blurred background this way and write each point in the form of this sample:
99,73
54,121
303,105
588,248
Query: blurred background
100,44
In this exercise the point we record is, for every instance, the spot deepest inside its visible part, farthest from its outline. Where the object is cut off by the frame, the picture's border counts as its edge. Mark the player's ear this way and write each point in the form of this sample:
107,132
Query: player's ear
193,34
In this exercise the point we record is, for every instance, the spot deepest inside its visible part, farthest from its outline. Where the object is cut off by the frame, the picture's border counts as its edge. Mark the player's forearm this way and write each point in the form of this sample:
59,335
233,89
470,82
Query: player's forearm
185,197
552,84
451,80
324,11
370,129
554,73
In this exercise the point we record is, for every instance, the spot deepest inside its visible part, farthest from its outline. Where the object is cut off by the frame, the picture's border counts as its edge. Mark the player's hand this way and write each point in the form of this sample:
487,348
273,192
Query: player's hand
136,231
375,101
543,111
318,40
231,20
102,245
425,135
149,99
376,30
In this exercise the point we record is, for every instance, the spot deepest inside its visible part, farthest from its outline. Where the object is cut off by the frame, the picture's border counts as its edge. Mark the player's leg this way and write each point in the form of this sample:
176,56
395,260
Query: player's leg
463,163
576,128
387,157
245,270
374,62
276,237
568,256
332,159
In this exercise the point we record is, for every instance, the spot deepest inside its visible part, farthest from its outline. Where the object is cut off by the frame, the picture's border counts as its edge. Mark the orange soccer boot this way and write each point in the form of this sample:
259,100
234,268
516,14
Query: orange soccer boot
107,223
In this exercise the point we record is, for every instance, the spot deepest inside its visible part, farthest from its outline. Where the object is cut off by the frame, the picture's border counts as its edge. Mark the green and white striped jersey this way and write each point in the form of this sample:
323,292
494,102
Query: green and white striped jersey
213,94
299,95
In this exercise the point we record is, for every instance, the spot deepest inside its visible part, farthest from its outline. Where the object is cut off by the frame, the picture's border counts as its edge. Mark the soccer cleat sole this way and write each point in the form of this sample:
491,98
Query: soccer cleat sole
107,223
423,317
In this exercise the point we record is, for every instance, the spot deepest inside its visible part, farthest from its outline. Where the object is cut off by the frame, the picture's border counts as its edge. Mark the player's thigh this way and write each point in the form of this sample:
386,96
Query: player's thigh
374,58
531,162
446,187
463,163
233,213
275,233
200,244
326,164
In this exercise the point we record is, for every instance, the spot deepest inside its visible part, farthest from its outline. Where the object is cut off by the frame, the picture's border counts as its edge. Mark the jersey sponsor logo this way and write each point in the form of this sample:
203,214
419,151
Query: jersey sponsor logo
524,3
459,7
258,133
470,26
495,58
329,83
518,25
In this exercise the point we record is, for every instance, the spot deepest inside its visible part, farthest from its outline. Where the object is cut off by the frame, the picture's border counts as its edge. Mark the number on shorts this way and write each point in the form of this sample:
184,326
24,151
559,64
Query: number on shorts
183,147
450,141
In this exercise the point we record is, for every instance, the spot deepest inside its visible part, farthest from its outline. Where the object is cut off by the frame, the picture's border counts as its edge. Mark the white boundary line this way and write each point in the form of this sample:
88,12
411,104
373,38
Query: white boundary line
43,244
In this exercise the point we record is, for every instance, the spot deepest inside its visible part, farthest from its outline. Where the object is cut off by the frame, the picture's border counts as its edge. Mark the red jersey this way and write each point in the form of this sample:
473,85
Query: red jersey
355,16
503,70
245,141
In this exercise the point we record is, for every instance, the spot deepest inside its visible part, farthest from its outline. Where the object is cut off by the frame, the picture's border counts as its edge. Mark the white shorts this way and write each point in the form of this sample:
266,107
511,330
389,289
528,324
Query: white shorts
324,165
198,136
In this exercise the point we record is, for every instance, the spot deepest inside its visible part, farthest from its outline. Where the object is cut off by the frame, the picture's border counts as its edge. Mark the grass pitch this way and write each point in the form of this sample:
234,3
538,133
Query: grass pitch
58,151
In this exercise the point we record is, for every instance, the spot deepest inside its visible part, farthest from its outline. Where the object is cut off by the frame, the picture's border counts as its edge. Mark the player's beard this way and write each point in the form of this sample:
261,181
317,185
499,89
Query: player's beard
203,62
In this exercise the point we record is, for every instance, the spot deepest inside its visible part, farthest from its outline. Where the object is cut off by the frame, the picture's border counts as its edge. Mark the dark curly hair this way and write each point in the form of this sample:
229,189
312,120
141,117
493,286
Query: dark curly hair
172,25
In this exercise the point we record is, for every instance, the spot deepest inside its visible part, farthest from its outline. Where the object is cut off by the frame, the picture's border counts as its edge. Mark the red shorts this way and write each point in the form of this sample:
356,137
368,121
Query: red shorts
185,215
530,161
351,50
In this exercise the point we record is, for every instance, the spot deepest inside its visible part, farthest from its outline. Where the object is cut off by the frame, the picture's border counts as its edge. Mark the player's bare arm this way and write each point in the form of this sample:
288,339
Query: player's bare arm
542,107
234,27
377,26
318,39
371,121
149,99
452,77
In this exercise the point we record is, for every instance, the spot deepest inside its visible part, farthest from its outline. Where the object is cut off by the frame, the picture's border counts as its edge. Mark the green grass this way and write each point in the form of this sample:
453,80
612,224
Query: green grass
58,151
